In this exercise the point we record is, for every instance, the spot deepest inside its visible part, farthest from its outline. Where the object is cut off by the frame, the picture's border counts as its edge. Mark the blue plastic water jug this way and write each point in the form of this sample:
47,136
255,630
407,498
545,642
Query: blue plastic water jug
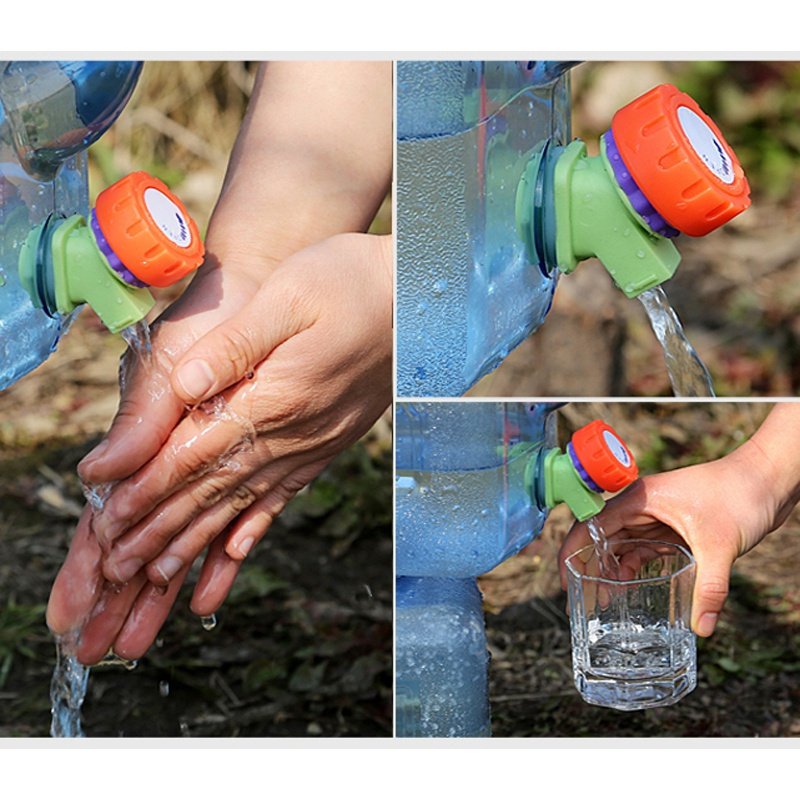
442,660
473,485
50,112
492,206
468,292
463,498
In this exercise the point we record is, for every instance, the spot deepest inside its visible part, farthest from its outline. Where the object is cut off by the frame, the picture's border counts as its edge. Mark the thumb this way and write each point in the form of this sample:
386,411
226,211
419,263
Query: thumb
235,347
710,589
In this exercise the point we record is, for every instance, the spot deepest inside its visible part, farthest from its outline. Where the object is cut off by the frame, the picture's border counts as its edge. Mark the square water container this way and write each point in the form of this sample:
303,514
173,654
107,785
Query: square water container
441,660
467,294
50,112
463,484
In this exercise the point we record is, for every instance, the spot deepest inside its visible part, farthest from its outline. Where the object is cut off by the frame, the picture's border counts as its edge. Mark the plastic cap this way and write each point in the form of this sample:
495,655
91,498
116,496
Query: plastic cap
680,160
149,229
604,456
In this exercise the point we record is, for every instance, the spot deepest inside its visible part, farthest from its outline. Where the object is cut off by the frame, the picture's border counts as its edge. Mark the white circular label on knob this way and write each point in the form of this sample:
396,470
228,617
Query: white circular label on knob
169,218
617,448
706,144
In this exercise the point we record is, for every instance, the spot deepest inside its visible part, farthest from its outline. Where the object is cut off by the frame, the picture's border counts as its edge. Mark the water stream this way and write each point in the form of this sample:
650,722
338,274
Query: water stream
70,679
607,562
67,690
609,569
137,337
687,373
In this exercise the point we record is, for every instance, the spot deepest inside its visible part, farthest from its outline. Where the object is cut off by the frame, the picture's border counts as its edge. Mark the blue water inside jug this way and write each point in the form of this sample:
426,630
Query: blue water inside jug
467,293
441,659
50,112
462,505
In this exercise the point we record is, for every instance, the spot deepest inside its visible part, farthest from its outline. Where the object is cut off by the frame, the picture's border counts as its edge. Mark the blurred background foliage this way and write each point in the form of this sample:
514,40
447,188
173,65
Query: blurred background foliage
755,103
180,126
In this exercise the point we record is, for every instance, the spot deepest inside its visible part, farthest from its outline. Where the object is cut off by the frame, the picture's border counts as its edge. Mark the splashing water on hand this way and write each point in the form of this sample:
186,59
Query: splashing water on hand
71,678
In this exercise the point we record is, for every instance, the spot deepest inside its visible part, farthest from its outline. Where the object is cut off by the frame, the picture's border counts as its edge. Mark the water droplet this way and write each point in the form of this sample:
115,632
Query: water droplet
367,592
640,254
209,622
163,688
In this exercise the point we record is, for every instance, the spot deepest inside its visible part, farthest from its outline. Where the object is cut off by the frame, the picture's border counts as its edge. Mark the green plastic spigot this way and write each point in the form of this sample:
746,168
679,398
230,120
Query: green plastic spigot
138,235
663,169
596,461
594,218
563,485
80,274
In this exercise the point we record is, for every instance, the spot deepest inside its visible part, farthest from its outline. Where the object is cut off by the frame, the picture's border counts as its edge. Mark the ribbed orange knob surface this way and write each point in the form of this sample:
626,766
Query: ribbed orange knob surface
604,456
149,229
680,160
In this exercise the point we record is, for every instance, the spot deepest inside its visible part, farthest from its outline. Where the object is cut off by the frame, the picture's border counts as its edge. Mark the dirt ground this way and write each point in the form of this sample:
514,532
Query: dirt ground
303,646
748,682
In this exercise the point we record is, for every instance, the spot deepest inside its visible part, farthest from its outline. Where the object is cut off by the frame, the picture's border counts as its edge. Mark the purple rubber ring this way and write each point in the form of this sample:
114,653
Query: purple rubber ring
111,256
641,205
582,473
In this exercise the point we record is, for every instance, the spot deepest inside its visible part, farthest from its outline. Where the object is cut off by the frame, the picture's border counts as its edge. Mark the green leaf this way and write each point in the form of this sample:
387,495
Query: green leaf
728,664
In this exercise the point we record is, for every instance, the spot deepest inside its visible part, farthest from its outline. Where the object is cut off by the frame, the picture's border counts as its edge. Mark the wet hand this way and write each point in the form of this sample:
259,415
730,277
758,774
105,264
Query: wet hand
719,510
300,372
125,619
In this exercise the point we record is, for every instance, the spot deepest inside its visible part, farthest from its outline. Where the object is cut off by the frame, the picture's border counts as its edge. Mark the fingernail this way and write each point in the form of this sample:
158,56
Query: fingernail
125,570
168,567
195,378
707,623
106,531
246,546
94,455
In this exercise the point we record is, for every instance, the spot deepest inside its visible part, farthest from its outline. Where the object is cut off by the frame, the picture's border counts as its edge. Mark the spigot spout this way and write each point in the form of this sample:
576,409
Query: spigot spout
595,219
140,235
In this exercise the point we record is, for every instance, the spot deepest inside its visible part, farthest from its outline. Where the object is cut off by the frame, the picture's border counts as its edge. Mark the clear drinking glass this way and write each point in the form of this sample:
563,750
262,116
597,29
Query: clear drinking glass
632,643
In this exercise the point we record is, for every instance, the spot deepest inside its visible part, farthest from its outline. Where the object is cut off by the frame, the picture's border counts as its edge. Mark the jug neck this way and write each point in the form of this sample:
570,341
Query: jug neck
56,109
